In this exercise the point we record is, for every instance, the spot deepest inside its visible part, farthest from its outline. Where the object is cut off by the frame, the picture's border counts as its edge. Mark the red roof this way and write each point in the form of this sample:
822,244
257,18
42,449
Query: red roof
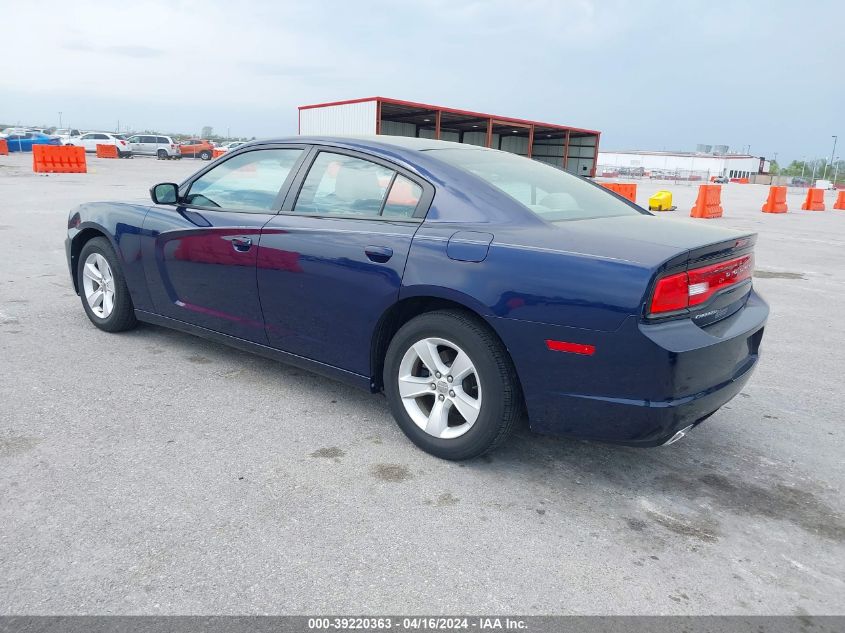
429,106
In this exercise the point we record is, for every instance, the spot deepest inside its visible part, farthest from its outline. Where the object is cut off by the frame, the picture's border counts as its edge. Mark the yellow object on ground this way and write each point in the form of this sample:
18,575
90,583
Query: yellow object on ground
661,201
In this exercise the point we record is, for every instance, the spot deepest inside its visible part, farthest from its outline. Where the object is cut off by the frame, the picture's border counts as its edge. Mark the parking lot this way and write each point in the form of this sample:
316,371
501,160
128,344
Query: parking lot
154,472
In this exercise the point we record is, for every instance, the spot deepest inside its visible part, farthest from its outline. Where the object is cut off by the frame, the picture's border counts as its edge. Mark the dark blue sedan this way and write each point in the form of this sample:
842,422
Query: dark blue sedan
472,286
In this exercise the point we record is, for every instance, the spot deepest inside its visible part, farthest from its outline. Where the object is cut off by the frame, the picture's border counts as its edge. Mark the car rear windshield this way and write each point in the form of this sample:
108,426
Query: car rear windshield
551,193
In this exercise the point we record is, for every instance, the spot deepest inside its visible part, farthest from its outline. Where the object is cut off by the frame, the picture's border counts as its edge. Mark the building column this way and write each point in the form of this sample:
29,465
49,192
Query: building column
437,125
530,141
566,149
489,141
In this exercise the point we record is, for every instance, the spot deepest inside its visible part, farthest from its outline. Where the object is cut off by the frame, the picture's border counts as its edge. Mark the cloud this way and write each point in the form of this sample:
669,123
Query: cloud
289,70
119,50
134,51
612,65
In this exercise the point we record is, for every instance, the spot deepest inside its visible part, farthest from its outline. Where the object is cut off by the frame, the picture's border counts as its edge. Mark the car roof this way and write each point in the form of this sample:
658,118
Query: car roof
376,142
412,154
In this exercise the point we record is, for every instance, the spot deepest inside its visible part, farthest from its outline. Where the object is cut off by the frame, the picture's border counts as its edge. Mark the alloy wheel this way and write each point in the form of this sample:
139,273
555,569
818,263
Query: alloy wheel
440,388
98,285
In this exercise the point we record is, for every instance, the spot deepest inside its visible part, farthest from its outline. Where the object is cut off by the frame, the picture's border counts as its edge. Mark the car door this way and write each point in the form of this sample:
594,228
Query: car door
135,144
19,142
138,145
148,145
88,142
332,261
200,254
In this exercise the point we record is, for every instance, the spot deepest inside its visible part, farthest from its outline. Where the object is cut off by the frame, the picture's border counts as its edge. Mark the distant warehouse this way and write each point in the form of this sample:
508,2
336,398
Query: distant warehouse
695,165
570,148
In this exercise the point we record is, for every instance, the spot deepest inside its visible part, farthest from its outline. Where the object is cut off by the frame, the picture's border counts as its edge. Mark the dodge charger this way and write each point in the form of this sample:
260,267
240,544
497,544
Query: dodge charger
473,287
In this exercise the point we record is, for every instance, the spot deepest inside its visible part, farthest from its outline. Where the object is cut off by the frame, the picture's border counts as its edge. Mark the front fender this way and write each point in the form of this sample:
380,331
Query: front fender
121,224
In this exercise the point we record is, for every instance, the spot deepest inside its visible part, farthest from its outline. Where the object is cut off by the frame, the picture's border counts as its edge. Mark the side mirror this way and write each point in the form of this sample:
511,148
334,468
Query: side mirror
165,193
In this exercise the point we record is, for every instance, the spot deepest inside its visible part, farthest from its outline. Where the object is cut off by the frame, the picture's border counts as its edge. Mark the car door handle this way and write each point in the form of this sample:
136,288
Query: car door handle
240,244
379,254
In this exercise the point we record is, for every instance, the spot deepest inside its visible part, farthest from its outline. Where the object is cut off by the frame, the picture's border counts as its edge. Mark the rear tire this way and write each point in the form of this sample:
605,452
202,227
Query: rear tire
466,414
102,287
162,154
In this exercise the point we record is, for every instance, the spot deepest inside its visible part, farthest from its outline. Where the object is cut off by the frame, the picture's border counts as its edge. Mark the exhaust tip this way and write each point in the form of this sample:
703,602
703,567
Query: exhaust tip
678,435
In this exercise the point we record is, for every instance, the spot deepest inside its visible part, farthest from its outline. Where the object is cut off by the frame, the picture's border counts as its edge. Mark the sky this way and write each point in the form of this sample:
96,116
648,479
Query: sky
648,74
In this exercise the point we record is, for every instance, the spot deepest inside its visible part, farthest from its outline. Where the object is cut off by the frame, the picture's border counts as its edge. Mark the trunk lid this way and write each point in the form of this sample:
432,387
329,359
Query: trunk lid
669,247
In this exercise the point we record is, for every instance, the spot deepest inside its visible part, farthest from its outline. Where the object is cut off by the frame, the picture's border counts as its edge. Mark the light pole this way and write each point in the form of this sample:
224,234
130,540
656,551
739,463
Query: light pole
832,152
803,164
60,119
835,170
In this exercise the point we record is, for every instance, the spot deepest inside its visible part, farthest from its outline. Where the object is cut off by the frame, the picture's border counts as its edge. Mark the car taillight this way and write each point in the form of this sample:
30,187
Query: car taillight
696,286
172,147
123,142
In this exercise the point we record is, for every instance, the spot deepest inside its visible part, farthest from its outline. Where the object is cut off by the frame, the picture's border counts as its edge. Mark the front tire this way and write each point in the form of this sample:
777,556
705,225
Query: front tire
451,385
102,287
205,155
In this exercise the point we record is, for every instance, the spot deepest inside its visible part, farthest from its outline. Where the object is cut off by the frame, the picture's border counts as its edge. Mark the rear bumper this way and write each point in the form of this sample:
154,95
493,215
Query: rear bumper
643,384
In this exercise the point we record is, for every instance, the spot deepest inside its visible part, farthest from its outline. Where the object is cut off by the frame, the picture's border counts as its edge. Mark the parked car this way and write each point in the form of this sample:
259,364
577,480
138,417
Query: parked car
67,134
14,130
162,147
196,148
23,141
226,147
468,284
720,180
90,140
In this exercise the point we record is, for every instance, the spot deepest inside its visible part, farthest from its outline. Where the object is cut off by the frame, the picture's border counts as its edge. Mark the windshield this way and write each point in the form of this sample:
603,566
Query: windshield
551,193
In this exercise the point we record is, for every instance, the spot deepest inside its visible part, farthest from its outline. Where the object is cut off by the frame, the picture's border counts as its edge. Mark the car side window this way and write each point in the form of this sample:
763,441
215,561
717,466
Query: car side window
248,182
403,198
342,185
162,140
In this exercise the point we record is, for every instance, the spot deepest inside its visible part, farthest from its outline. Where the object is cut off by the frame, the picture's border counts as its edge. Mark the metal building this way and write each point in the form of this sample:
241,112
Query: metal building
566,147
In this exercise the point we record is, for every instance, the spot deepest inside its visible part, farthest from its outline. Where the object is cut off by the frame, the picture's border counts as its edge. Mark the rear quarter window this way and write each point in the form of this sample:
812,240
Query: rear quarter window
552,194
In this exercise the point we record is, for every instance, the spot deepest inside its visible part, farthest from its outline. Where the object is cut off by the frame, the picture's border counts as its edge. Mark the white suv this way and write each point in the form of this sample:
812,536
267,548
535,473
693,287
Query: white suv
161,147
90,141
